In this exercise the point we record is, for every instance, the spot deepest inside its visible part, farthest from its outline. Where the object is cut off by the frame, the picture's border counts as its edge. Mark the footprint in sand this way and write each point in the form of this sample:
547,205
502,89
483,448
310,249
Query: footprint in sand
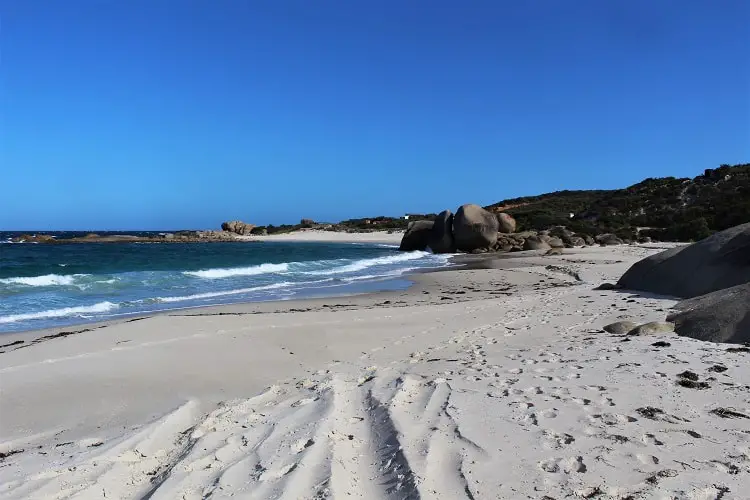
553,440
611,418
566,465
651,439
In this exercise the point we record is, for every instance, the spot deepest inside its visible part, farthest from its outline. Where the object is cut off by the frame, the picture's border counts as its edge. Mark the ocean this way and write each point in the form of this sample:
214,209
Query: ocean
45,285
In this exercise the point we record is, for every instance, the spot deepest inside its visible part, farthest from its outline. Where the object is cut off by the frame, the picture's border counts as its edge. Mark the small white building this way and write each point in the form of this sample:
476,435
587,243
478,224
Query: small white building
405,217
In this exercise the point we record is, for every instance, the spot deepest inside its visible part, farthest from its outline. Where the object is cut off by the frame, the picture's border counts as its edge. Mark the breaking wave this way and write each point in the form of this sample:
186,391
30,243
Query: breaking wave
238,271
46,280
101,307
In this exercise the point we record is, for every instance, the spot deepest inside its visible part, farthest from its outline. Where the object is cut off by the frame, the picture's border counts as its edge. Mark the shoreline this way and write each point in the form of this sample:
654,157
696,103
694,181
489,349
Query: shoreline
501,368
507,260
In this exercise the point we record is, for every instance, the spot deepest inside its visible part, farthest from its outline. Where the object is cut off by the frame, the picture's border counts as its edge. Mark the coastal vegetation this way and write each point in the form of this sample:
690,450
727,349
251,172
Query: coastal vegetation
667,208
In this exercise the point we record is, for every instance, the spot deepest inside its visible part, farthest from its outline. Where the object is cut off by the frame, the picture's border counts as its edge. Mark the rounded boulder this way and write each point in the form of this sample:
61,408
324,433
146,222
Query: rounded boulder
474,228
506,223
417,236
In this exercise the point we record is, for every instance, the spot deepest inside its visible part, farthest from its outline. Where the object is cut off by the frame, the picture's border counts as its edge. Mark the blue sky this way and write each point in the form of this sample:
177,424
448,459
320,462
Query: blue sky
169,114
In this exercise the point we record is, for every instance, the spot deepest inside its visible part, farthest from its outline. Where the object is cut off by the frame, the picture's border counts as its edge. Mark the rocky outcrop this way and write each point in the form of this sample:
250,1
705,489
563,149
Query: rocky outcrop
237,227
441,236
720,316
608,239
474,228
506,223
417,236
33,238
717,262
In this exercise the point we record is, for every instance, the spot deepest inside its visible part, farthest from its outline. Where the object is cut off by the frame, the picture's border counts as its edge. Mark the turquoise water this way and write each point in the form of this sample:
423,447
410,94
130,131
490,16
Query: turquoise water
53,285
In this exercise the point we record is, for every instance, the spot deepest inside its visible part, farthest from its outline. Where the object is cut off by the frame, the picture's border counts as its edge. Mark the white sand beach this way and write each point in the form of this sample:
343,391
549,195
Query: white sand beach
494,382
318,235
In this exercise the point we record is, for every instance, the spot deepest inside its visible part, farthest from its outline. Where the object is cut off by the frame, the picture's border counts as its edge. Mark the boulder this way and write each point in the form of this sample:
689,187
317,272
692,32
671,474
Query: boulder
720,316
506,223
417,236
588,239
608,239
237,227
719,261
575,241
555,242
474,228
535,243
652,328
620,327
441,236
561,232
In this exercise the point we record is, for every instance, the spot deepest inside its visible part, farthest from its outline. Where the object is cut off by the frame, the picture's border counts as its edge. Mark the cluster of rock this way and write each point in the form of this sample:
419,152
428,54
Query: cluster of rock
475,230
713,275
237,227
33,238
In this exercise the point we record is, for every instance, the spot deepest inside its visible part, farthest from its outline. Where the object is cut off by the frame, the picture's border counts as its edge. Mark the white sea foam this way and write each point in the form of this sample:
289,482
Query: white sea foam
208,295
46,280
101,307
238,271
359,265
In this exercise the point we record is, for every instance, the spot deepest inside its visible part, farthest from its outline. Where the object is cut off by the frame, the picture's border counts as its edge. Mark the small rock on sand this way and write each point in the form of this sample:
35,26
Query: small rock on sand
652,328
620,327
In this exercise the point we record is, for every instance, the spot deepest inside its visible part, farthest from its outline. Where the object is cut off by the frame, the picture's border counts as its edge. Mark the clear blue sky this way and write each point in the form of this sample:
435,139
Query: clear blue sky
182,113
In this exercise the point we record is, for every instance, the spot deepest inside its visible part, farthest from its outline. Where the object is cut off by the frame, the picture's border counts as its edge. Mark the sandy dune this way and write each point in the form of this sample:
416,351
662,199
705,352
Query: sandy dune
487,383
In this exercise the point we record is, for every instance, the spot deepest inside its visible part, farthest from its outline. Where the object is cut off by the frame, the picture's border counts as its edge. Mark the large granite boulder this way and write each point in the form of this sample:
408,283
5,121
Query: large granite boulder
535,243
474,228
719,261
417,236
506,223
237,227
720,316
441,236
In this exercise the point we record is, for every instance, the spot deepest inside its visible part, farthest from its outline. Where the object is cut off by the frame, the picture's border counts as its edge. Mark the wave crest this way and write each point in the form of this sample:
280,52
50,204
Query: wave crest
359,265
101,307
238,271
45,280
208,295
